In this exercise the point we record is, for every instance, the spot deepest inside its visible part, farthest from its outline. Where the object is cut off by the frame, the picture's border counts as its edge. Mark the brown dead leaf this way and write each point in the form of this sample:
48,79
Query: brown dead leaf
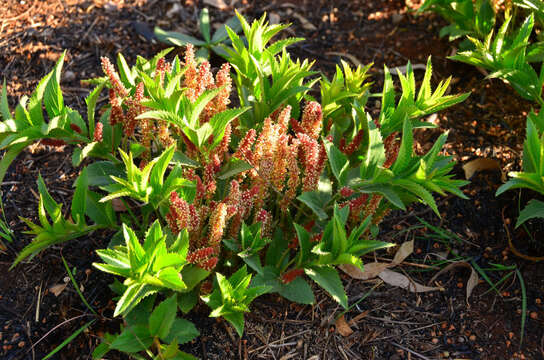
343,327
473,280
405,250
370,270
58,289
482,164
399,280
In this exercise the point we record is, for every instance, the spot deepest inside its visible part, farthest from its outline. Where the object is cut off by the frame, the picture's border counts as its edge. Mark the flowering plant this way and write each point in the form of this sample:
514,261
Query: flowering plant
284,185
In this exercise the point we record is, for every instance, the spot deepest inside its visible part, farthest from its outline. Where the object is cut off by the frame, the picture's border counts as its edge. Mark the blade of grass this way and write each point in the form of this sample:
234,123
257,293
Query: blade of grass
77,287
68,339
484,275
523,306
504,278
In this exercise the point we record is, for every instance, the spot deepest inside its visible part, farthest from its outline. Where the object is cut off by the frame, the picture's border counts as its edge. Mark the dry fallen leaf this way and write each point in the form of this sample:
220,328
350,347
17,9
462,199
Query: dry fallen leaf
405,250
343,327
482,164
473,280
370,270
399,280
57,289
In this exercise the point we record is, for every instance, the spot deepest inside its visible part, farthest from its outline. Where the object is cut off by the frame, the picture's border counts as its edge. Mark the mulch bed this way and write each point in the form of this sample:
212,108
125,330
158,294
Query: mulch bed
390,323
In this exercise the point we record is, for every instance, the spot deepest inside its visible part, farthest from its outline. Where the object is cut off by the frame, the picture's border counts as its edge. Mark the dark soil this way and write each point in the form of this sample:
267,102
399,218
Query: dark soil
390,323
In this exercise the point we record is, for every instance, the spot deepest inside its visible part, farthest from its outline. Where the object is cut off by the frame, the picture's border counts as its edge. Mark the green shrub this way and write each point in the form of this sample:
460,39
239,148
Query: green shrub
225,204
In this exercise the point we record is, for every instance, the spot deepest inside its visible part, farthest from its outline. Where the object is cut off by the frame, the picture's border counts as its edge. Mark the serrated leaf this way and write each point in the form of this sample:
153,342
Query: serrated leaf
133,339
162,318
327,277
181,331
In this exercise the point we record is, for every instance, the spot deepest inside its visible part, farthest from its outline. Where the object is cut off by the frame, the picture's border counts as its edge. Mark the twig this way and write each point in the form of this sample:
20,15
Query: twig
410,351
277,341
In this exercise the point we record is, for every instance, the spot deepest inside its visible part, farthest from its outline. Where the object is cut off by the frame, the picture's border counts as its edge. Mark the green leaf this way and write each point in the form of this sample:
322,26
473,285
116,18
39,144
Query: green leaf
4,106
54,103
237,320
9,156
338,161
316,201
304,243
131,297
176,38
234,167
204,22
79,199
183,160
182,331
298,291
534,209
162,318
327,277
99,173
133,339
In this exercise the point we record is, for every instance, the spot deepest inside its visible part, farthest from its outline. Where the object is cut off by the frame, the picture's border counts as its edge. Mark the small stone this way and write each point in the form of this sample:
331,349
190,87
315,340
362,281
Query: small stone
69,76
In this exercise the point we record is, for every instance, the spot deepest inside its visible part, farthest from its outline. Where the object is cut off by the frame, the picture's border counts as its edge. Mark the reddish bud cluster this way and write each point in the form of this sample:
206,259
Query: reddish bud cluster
265,218
98,129
291,275
354,144
391,147
312,119
203,258
346,192
75,128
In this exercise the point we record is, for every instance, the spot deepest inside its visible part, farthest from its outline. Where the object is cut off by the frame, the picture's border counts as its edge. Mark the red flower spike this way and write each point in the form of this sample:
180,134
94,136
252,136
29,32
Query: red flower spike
116,83
190,75
204,78
98,129
309,225
265,218
200,255
283,119
217,224
316,238
291,275
355,143
281,156
312,119
293,172
296,126
391,150
209,264
311,161
244,148
53,142
75,128
346,192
